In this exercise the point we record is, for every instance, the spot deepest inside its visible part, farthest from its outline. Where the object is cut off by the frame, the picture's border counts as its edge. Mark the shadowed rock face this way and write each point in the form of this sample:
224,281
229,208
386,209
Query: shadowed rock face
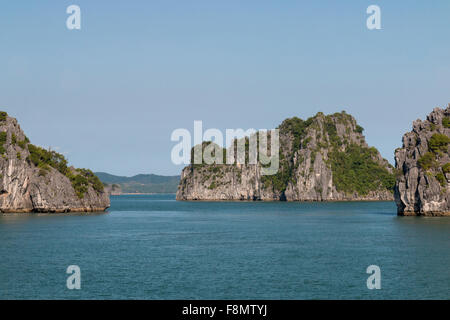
312,168
25,187
422,175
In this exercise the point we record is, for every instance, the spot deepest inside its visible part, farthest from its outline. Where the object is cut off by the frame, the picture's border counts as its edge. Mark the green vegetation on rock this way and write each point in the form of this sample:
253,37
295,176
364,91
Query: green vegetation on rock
427,161
3,136
359,129
207,144
81,179
212,185
3,116
297,127
446,122
441,178
355,170
23,143
41,157
446,168
438,142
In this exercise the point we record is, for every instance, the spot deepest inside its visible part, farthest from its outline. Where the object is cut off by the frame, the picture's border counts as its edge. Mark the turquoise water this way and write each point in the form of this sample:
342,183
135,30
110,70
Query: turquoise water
152,247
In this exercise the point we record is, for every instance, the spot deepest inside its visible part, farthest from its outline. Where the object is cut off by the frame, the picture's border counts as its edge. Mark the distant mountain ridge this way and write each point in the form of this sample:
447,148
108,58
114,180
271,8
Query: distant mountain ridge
141,183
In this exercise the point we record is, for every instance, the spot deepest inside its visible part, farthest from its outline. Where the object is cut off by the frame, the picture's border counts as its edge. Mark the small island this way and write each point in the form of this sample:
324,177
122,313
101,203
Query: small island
33,179
423,167
323,158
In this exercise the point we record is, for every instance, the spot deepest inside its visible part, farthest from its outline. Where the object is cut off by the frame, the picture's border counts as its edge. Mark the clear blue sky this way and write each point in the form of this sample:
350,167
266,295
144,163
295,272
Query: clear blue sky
109,95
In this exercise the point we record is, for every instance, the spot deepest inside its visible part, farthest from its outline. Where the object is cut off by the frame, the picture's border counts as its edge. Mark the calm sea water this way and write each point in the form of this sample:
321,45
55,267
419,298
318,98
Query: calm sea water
152,247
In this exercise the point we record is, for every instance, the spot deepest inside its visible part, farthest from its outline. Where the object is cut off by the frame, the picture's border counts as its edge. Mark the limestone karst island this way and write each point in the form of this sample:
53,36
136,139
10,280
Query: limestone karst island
423,167
326,158
33,179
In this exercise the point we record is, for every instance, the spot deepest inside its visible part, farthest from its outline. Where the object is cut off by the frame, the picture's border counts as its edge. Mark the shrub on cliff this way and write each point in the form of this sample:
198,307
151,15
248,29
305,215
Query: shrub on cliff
359,129
446,122
441,178
39,156
297,127
92,179
80,184
427,161
81,179
355,170
2,142
438,142
446,168
23,143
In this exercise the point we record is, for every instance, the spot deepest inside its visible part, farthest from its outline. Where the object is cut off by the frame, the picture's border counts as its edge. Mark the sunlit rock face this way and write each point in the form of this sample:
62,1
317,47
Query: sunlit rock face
39,180
323,158
423,167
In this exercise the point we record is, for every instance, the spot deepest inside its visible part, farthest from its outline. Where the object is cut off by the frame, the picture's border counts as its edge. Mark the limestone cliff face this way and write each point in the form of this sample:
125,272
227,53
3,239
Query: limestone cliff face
39,180
423,166
324,158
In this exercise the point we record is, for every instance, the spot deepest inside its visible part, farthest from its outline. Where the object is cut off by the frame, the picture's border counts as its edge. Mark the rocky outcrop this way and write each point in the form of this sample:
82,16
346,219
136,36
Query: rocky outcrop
33,179
423,167
323,158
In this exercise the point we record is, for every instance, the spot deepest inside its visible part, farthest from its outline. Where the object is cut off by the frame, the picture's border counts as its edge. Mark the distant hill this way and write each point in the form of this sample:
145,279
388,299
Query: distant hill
141,183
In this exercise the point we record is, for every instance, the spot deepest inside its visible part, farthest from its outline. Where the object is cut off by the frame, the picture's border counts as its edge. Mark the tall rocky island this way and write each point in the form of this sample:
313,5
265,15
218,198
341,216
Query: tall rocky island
323,158
33,179
423,167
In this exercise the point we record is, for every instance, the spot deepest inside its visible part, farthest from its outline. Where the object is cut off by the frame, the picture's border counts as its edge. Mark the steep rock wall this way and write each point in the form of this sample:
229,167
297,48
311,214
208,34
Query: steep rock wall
423,167
313,167
27,187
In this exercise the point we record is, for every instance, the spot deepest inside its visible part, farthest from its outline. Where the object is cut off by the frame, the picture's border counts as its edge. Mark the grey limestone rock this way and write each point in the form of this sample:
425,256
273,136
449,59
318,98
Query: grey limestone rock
422,166
26,187
309,167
